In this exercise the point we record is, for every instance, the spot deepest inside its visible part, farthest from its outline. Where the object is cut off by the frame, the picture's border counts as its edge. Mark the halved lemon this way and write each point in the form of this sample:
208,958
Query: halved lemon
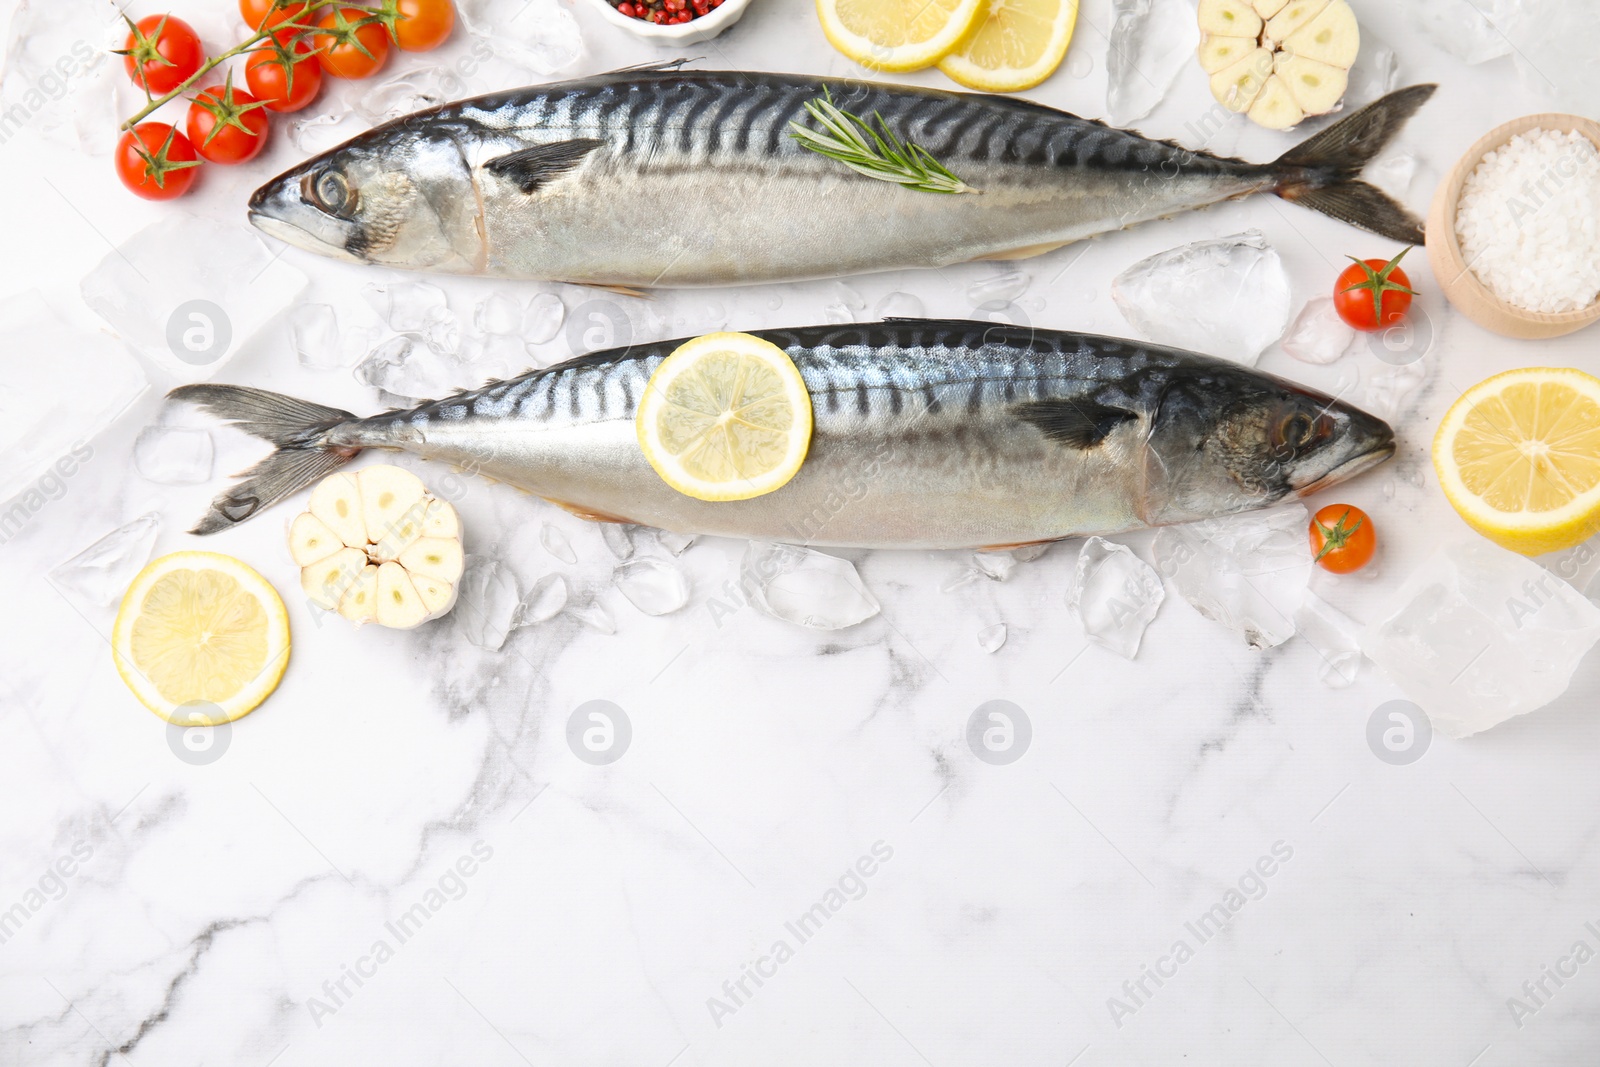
1518,455
1016,46
725,417
898,35
201,638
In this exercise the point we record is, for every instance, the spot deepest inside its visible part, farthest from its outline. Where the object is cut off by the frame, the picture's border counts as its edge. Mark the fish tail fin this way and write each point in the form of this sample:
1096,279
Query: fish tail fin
297,427
1324,172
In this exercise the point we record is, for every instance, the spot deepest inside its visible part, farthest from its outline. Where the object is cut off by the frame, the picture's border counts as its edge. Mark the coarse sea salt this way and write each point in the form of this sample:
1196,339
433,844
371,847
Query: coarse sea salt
1529,221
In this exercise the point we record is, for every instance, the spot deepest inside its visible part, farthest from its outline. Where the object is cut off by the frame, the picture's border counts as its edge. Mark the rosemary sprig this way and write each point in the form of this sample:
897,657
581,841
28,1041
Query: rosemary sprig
878,153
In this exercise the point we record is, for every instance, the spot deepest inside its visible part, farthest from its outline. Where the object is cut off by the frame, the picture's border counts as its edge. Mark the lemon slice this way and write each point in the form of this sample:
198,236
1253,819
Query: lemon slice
201,639
725,417
898,35
1518,455
1018,45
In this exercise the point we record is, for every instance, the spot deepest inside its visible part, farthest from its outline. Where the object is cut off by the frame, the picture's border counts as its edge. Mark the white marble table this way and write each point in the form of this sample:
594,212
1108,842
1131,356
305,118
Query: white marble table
664,908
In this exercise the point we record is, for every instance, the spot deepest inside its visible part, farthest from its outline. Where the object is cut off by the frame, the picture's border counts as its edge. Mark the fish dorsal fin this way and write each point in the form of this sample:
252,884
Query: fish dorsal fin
534,166
653,67
1074,423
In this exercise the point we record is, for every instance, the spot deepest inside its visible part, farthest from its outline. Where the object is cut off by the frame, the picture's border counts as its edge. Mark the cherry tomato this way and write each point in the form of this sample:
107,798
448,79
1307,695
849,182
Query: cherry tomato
424,24
284,75
346,47
225,125
155,161
1372,294
161,53
1342,538
256,12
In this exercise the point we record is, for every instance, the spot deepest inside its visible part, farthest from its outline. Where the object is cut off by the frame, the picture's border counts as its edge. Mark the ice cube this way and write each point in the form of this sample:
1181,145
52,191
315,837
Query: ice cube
486,607
407,306
838,314
555,542
316,133
356,342
849,296
544,601
60,78
654,586
1227,297
715,315
996,292
414,90
491,356
597,617
1477,635
541,35
63,386
99,575
1387,388
1464,28
314,332
1335,637
404,368
1029,553
900,306
442,332
1247,572
805,587
1114,595
676,543
1151,42
1393,172
991,638
498,314
543,319
995,566
1375,73
619,538
1553,43
191,313
1318,334
173,455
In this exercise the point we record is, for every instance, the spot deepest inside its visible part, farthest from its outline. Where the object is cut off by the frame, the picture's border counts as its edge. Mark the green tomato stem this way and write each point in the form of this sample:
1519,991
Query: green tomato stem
205,68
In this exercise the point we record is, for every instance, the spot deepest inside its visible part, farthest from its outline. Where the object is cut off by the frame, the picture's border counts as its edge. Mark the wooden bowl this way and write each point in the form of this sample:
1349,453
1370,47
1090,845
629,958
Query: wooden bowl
1463,289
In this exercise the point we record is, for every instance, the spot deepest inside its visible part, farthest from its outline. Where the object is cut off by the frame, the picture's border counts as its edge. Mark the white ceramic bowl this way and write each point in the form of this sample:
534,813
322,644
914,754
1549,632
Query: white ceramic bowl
692,32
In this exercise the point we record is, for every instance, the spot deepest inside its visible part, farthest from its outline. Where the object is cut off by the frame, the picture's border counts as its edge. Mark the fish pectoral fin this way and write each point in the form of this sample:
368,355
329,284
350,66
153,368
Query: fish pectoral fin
620,290
1074,423
1025,252
541,163
1009,545
586,513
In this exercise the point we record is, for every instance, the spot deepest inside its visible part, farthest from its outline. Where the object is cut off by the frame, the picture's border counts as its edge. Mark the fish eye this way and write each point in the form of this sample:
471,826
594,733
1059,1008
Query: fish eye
328,190
1298,428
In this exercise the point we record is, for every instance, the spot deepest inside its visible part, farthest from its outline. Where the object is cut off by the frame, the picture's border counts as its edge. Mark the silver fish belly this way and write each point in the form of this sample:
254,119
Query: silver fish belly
928,434
666,178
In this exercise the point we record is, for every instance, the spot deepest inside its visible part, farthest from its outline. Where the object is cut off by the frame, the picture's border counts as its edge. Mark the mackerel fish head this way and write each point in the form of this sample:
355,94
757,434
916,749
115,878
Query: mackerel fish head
1226,439
400,195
